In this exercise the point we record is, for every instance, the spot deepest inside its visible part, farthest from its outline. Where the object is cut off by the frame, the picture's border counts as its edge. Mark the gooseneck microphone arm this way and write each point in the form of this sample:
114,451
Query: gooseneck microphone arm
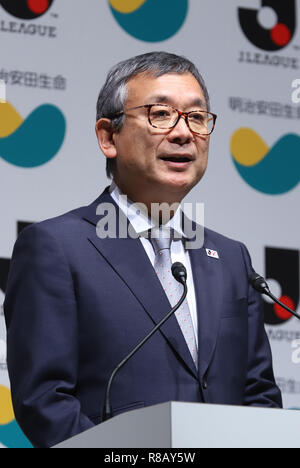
179,273
259,283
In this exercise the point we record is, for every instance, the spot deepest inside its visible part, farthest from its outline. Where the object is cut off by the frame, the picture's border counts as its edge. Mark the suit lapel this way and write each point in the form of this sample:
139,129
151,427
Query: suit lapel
130,261
208,281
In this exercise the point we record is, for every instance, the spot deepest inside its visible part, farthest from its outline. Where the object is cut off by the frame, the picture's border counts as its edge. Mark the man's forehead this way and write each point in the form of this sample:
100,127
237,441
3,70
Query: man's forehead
165,88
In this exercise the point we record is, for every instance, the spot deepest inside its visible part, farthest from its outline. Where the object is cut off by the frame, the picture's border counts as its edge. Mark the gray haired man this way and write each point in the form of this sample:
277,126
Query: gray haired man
77,304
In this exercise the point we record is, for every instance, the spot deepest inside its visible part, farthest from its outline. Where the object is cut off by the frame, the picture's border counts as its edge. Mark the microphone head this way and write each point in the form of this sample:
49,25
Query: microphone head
259,283
179,272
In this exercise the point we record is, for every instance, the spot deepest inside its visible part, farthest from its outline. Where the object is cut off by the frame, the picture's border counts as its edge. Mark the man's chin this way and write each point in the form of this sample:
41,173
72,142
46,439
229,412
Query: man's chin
178,183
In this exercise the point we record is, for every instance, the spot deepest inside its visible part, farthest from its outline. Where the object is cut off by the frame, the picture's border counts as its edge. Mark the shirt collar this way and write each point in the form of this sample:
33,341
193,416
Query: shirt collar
138,218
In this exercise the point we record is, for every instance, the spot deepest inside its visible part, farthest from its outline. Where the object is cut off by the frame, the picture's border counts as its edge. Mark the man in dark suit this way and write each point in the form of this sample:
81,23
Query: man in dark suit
78,300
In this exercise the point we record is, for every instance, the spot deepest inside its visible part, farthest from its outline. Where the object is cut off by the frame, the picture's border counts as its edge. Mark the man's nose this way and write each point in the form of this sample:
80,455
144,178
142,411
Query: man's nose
181,133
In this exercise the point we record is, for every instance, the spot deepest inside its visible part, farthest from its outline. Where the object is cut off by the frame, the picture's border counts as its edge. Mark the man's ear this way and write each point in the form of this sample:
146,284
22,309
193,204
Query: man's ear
105,136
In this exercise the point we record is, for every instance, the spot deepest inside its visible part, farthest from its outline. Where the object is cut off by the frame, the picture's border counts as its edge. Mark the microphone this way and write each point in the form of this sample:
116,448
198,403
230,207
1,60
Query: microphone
180,274
259,283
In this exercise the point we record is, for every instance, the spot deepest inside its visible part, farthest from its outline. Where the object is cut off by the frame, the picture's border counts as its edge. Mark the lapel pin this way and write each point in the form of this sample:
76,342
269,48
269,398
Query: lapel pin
212,253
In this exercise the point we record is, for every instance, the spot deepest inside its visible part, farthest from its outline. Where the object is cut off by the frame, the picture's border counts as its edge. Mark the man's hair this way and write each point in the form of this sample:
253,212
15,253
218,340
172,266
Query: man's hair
113,95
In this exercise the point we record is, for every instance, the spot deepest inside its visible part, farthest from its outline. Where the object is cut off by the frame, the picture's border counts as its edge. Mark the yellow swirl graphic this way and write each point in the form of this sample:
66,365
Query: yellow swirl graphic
247,147
6,408
10,119
126,6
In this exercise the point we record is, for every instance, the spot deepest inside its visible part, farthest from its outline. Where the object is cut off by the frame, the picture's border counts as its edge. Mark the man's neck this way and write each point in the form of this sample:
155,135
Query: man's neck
159,206
159,214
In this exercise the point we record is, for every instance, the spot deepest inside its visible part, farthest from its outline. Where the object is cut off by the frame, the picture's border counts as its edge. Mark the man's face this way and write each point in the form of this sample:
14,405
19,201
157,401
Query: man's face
146,165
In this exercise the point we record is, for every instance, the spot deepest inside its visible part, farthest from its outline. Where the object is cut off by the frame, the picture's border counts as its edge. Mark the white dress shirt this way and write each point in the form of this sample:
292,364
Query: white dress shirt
141,224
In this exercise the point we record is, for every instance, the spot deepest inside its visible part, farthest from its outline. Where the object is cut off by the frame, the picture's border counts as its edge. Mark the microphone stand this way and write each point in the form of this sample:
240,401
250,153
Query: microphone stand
259,283
107,410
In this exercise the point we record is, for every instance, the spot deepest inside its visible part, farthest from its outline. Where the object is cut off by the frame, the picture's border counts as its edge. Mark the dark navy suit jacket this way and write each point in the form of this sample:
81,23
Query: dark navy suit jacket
76,305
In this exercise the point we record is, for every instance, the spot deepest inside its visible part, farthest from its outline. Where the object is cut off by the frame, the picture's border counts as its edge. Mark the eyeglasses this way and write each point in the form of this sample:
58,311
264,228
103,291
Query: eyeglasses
166,117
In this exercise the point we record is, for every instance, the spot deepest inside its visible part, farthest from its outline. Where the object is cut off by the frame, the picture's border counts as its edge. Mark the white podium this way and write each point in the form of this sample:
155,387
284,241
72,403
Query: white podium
192,425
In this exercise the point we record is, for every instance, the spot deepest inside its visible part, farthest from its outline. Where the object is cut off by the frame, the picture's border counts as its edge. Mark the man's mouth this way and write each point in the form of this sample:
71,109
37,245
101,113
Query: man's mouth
177,158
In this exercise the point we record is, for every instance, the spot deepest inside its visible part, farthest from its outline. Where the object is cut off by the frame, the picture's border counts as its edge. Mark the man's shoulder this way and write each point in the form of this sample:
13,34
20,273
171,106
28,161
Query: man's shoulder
217,237
57,224
227,246
67,227
71,222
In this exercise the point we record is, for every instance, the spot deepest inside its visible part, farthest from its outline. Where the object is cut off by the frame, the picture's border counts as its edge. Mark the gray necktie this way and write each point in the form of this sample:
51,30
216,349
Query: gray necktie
173,289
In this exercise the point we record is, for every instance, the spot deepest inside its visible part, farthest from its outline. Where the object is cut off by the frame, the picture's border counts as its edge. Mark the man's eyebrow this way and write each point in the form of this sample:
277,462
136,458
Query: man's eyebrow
159,98
163,99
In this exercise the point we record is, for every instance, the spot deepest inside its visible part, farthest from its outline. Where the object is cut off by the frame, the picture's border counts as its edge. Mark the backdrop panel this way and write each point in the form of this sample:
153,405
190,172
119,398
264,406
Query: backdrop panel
54,58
